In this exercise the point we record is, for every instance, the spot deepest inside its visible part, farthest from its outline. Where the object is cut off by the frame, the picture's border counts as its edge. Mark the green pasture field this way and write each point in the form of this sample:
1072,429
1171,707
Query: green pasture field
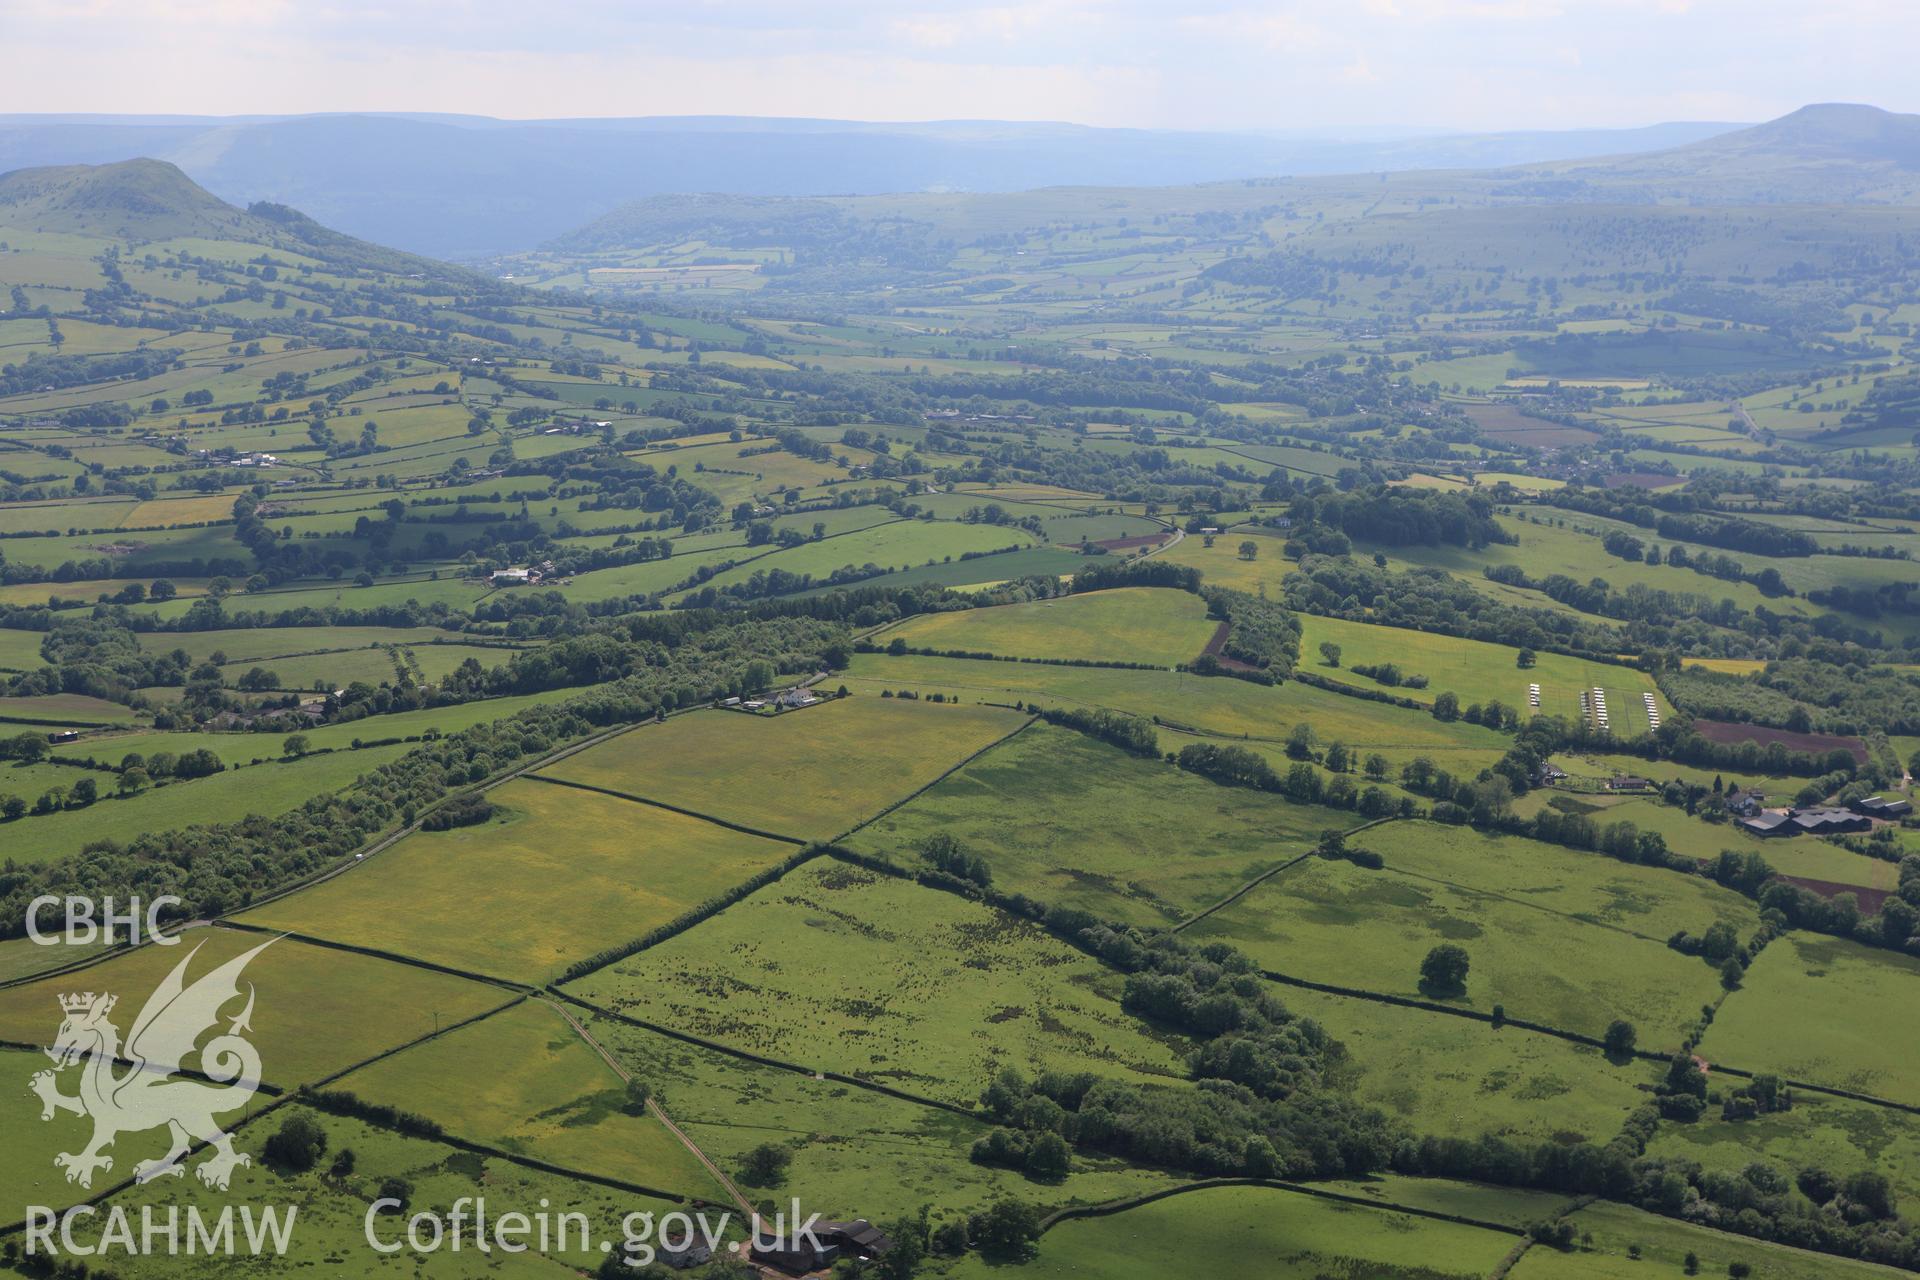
267,790
55,517
1221,566
317,1010
29,780
253,644
76,709
1127,839
1476,671
1072,529
456,592
1824,1011
856,1152
897,545
1696,838
1133,624
1544,550
809,774
1821,860
438,661
1219,706
902,984
1833,1133
1336,923
559,874
1466,1078
648,576
1001,566
329,1229
234,749
719,468
20,650
1519,480
1662,1245
524,1081
1509,1206
1802,573
23,957
1601,765
335,670
1650,902
1239,1233
149,547
412,724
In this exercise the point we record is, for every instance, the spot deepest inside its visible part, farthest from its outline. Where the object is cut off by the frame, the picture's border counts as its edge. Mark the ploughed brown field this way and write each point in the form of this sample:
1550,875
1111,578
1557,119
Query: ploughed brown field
1870,900
1722,731
1514,427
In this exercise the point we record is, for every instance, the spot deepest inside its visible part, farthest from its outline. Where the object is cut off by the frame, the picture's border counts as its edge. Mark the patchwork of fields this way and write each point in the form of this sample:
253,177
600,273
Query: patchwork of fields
534,674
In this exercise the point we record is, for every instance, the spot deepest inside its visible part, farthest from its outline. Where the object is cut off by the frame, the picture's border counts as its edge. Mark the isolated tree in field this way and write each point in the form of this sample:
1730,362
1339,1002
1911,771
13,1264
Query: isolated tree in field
1339,759
1249,549
132,782
1333,844
1620,1038
27,748
297,1144
1446,706
1444,971
1376,766
295,746
1526,659
765,1165
1300,741
1331,652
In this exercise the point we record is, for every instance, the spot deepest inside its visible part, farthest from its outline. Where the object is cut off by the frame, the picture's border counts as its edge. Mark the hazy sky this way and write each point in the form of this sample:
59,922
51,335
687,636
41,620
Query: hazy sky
1291,64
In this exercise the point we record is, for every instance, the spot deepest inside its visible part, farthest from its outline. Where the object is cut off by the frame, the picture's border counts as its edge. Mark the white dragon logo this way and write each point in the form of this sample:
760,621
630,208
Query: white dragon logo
149,1093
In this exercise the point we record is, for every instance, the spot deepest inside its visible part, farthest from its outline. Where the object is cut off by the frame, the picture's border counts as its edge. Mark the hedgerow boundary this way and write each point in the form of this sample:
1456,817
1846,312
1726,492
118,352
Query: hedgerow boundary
1111,1207
742,828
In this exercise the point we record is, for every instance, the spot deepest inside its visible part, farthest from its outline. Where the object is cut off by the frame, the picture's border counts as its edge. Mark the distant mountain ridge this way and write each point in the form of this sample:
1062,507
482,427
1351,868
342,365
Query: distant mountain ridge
148,200
1837,155
464,185
1827,153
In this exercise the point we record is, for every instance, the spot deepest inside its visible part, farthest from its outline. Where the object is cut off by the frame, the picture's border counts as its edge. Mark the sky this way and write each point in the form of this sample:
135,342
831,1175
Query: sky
1318,66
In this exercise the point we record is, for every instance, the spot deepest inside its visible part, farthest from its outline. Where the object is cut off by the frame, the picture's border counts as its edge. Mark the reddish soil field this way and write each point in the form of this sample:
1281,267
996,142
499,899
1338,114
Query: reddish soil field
1218,645
1721,731
1871,900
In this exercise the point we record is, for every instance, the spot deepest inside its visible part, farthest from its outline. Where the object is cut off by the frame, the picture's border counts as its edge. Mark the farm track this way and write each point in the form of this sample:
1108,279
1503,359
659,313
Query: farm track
1265,876
653,1106
279,1096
